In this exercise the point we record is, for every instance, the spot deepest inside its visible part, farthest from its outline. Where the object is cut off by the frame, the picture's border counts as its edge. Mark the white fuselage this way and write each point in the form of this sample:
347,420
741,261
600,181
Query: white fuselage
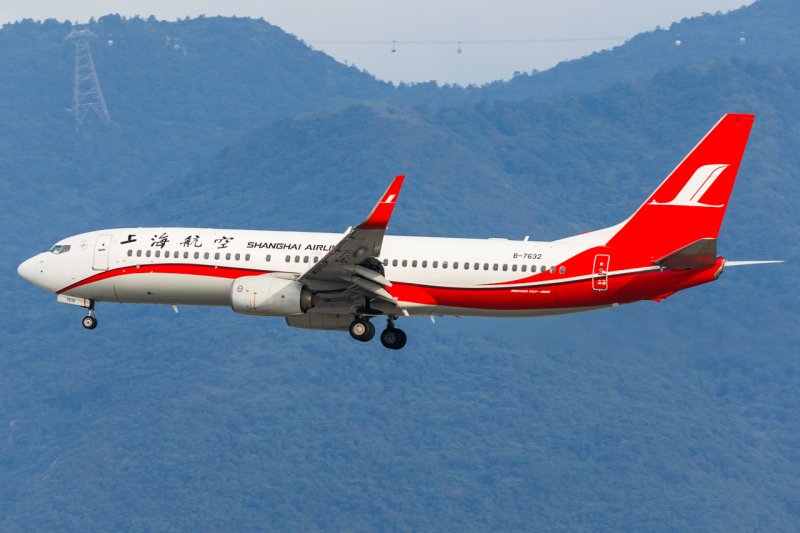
188,266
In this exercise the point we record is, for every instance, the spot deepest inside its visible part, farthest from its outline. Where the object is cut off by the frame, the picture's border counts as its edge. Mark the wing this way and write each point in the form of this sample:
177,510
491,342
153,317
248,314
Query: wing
352,265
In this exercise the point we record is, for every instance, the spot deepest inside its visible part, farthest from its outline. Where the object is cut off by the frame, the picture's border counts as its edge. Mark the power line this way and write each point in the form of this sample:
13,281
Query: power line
481,41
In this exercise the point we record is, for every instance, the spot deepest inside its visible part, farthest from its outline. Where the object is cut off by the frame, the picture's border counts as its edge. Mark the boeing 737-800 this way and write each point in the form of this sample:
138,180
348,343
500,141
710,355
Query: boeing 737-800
341,282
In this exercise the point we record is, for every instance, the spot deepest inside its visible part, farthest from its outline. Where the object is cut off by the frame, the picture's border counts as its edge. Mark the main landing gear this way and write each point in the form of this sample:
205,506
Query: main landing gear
393,338
90,320
363,330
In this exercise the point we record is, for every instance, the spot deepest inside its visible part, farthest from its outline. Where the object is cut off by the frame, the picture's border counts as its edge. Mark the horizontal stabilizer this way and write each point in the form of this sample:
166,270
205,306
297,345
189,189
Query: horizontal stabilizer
700,253
742,263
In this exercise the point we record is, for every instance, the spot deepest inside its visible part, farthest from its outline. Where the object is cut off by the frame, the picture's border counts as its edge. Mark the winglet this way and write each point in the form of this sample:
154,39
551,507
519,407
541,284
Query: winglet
380,215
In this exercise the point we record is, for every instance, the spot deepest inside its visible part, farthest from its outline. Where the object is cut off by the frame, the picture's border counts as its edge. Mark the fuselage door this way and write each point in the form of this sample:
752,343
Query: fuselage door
600,272
101,250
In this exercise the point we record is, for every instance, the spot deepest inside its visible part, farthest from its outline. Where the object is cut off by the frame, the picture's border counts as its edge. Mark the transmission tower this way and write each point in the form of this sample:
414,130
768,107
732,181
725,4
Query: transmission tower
86,94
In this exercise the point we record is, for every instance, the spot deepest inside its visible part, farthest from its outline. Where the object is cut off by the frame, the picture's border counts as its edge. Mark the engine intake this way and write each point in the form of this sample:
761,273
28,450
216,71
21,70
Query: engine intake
269,296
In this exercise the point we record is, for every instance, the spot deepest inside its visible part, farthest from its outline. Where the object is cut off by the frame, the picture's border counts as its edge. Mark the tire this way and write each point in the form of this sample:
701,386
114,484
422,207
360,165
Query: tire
393,338
89,322
362,330
371,333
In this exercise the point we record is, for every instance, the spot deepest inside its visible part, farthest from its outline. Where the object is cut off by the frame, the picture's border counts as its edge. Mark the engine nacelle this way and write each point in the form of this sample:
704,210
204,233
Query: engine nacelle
269,296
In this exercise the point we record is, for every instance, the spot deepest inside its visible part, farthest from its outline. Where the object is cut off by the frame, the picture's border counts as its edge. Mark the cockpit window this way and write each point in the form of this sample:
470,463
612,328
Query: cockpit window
59,249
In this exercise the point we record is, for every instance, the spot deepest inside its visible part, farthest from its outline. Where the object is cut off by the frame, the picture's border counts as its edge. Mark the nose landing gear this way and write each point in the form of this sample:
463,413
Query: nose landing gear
90,320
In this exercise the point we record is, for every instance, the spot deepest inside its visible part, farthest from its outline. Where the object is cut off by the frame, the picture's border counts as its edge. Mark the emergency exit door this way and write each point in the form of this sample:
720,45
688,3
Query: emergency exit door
600,272
101,248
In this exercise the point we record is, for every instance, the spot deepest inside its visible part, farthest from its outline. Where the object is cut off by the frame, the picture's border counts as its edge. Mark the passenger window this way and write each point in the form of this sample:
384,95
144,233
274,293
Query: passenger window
524,268
148,253
505,267
297,259
436,264
476,266
486,266
216,256
444,264
405,263
237,256
424,264
455,264
166,254
513,268
552,270
316,259
394,262
533,269
414,263
227,257
205,255
466,265
305,259
269,258
186,255
543,269
158,253
197,255
386,262
561,270
288,258
247,257
130,253
494,267
138,253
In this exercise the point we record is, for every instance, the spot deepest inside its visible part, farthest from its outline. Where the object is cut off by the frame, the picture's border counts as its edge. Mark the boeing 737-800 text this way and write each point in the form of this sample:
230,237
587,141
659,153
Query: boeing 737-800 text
341,282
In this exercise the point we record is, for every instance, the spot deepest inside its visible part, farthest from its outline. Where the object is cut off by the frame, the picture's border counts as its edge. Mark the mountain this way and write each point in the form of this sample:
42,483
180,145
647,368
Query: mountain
764,30
178,92
175,91
680,415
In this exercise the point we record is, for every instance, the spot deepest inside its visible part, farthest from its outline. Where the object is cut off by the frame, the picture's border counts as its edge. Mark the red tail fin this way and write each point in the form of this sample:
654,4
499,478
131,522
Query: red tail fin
691,202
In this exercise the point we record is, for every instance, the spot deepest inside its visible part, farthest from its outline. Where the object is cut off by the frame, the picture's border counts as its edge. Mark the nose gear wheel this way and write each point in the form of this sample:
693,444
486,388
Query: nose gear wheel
90,320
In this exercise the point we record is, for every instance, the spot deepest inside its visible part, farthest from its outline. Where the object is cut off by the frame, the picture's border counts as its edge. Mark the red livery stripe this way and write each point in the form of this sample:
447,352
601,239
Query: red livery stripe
175,268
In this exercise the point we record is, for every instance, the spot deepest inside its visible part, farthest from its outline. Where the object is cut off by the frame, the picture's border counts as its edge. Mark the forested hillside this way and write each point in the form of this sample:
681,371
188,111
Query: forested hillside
768,28
680,415
178,92
674,416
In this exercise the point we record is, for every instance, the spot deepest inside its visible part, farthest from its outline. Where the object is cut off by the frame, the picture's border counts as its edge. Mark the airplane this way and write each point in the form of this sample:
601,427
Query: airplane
328,281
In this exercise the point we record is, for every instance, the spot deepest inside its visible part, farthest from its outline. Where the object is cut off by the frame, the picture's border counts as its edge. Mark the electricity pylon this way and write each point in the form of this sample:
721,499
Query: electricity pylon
86,94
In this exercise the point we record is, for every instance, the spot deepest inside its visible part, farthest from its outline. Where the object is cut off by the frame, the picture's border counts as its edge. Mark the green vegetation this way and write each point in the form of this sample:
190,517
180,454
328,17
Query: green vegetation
681,415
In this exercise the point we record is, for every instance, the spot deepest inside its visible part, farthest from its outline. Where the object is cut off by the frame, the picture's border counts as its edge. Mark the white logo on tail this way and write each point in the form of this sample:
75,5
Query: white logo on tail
697,186
389,199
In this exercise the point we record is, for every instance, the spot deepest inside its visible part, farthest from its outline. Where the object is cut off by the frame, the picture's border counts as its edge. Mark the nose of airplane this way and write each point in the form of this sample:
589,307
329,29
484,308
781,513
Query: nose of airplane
28,270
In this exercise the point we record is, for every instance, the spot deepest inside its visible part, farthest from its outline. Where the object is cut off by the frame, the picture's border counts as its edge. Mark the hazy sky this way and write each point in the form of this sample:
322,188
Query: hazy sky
418,20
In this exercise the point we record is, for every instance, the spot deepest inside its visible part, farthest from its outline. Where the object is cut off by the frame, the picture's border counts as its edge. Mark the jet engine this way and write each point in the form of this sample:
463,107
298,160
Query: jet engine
269,296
